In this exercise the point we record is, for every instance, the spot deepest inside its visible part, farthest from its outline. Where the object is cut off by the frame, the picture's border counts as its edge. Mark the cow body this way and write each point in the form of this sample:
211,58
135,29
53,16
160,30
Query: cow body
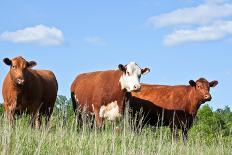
36,96
173,106
97,94
101,93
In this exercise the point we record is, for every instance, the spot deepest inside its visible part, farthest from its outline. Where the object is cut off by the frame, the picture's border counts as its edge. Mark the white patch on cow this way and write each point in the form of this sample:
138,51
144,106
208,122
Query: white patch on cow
92,113
110,111
76,98
131,79
93,107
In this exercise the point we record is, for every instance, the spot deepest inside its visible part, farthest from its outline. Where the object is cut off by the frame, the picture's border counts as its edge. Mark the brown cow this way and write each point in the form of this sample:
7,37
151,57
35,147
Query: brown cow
102,93
28,90
173,106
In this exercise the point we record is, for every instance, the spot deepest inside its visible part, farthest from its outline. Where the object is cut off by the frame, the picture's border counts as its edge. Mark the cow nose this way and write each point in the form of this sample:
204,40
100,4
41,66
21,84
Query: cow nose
137,87
207,97
20,81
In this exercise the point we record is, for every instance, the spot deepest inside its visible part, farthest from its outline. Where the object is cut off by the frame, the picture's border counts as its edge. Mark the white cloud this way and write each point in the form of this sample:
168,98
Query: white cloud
205,33
38,34
201,14
211,20
95,40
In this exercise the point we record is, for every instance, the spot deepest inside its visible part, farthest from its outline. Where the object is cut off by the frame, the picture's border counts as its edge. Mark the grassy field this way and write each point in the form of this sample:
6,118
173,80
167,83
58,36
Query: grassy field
64,137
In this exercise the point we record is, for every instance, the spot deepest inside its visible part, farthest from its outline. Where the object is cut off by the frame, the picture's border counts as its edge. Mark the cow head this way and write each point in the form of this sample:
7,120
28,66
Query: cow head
130,80
18,69
202,87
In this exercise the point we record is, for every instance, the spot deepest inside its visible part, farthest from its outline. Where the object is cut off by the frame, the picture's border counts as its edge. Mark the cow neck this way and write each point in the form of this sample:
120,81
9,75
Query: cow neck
119,81
18,89
123,90
17,92
194,101
125,98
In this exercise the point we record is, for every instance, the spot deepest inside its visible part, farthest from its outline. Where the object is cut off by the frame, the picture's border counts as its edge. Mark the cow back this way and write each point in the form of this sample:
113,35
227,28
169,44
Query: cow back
167,97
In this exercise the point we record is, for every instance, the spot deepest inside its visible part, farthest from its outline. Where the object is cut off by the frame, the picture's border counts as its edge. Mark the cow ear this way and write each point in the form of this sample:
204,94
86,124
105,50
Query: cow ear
192,83
122,67
213,83
145,71
7,61
31,64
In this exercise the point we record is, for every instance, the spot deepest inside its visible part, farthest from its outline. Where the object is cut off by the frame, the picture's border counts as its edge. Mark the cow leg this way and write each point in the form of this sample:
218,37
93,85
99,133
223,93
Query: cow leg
48,113
9,111
79,115
10,117
174,129
34,123
98,118
185,135
175,135
47,119
38,121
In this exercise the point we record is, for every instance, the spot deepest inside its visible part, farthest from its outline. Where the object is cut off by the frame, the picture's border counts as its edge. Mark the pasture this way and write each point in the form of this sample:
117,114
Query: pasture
211,134
151,77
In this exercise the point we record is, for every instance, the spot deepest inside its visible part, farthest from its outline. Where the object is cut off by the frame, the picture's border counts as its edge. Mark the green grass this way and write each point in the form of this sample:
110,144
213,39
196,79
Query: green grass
63,137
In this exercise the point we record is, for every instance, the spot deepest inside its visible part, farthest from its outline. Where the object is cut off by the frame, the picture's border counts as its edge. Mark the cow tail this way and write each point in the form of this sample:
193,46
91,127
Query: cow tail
74,102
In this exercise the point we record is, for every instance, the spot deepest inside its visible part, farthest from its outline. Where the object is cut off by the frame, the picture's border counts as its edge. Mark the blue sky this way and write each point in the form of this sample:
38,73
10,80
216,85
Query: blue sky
179,40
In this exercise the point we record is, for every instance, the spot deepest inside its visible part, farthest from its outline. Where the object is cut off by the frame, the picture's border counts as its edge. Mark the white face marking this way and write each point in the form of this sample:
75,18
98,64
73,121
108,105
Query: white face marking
110,111
131,79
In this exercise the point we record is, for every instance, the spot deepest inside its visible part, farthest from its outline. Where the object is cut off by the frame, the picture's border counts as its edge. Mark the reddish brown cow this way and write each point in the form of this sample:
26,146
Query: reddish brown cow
28,90
102,93
173,106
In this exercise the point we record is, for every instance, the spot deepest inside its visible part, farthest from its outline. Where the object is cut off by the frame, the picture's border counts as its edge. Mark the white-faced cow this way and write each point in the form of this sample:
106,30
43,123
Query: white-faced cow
28,90
102,93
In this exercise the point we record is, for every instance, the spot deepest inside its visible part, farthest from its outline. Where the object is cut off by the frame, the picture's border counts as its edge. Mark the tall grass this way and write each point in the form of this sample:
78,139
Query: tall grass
64,136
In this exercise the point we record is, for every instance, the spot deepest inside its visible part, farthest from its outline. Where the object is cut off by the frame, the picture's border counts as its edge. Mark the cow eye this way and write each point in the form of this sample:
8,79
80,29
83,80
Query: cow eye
198,86
127,73
13,67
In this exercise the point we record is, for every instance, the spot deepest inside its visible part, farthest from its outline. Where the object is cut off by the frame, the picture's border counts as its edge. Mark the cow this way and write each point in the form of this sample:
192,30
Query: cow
30,91
173,106
103,93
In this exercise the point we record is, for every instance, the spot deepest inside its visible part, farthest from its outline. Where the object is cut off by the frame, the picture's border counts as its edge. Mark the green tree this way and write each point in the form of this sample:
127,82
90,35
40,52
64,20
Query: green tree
226,116
1,108
210,123
63,107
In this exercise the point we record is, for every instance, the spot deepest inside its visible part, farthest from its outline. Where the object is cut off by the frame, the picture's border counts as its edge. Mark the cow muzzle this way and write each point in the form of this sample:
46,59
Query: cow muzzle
20,81
137,87
207,97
